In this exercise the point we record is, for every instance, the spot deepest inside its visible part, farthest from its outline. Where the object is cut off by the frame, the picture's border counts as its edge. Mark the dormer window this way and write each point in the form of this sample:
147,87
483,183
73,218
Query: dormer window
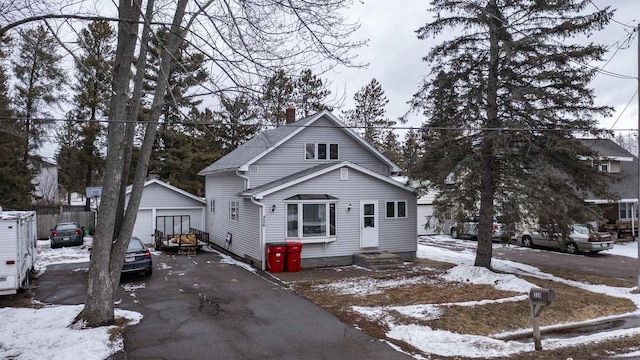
321,151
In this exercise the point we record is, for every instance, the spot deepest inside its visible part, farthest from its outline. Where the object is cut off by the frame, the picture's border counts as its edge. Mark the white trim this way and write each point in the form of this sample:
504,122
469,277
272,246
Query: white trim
366,171
615,158
600,201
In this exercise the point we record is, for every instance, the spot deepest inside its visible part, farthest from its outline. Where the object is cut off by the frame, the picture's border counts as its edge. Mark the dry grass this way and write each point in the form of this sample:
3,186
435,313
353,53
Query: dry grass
425,286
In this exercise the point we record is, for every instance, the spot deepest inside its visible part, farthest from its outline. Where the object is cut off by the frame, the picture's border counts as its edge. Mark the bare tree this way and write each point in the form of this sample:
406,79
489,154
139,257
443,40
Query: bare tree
241,40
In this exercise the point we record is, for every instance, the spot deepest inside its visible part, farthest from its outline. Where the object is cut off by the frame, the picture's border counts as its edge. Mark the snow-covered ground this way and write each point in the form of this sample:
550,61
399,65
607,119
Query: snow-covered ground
45,333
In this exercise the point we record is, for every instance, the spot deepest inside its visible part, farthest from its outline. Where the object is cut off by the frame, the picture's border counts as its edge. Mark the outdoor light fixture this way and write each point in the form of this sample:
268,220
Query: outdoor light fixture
273,208
349,207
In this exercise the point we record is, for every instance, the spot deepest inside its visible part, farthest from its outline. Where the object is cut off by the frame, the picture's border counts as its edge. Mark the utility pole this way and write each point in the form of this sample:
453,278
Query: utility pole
638,160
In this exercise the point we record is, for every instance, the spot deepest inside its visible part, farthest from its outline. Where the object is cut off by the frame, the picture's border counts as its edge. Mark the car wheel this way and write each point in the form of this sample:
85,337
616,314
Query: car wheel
526,241
25,284
148,272
454,233
572,248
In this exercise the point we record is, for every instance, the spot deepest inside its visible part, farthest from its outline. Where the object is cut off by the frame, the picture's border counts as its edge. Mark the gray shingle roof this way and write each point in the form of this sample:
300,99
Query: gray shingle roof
625,183
268,140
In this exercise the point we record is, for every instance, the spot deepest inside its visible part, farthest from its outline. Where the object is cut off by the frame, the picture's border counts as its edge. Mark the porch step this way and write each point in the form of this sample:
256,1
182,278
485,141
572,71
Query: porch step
378,260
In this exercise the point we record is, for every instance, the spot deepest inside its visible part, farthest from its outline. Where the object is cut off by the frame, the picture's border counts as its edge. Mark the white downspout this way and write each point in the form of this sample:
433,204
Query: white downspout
262,236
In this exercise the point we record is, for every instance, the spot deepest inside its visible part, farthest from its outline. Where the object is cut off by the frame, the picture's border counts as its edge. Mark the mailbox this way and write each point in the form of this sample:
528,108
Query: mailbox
542,297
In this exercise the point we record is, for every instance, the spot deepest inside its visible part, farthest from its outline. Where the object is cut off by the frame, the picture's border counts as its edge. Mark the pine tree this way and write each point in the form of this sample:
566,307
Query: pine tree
307,94
237,122
91,99
411,152
173,157
15,176
506,97
277,95
39,81
368,117
310,93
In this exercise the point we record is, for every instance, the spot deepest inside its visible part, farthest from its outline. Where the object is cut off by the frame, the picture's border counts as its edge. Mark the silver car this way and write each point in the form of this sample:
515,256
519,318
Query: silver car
581,239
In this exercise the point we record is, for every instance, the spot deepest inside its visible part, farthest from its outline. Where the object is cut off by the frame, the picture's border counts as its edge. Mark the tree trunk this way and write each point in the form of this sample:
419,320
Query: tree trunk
173,42
98,309
488,159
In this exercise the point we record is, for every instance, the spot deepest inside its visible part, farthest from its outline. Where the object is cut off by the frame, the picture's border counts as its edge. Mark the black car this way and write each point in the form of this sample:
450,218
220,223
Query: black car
66,234
138,258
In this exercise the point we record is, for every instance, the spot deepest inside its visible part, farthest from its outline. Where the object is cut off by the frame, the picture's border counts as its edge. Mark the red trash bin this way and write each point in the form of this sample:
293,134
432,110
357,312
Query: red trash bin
275,257
293,256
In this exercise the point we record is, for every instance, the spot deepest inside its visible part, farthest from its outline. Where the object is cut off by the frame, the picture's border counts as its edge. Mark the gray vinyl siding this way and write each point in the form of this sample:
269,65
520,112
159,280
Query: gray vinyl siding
224,188
158,196
289,158
395,235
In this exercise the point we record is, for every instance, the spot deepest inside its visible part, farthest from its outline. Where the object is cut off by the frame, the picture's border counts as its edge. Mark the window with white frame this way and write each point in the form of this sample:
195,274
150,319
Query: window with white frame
311,220
234,205
315,151
396,209
212,206
624,211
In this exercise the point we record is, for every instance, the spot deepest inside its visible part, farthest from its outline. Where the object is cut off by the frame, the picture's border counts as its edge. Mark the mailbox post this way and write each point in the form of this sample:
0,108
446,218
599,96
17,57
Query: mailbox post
539,299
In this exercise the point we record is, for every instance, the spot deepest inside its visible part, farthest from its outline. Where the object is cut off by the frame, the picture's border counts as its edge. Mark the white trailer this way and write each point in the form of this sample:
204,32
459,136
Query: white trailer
17,249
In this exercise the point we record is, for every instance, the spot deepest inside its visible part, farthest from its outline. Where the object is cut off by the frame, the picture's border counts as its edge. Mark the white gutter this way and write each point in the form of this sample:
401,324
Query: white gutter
263,234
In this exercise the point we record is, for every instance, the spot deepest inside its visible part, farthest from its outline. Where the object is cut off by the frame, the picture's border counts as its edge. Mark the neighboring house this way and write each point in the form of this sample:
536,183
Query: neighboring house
427,223
45,183
312,181
160,199
623,168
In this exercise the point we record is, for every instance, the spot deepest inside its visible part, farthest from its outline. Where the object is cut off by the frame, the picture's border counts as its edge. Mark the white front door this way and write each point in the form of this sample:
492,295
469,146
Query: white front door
368,223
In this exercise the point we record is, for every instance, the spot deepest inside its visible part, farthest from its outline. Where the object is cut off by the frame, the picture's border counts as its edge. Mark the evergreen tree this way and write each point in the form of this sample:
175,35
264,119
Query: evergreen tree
277,95
411,152
91,99
238,122
310,94
391,147
307,94
175,146
506,97
15,176
368,117
39,81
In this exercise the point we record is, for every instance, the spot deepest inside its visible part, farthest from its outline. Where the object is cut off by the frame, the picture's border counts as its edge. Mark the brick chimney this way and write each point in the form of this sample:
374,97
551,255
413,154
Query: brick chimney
290,115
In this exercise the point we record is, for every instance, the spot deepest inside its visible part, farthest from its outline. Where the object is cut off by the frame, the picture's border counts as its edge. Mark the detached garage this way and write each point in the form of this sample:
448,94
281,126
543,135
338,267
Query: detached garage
162,199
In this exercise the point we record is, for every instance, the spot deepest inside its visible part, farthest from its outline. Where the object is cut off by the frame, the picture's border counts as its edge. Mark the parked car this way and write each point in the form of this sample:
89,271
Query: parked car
138,258
469,229
581,239
66,234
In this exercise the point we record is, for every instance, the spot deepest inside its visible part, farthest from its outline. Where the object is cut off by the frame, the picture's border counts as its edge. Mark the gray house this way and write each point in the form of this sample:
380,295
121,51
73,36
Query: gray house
312,181
160,199
623,168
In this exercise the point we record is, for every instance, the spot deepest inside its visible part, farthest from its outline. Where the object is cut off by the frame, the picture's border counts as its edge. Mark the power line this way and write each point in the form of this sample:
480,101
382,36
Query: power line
420,128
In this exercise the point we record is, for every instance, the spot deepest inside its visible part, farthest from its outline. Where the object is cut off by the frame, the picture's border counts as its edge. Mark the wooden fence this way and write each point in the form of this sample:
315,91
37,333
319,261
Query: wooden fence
46,222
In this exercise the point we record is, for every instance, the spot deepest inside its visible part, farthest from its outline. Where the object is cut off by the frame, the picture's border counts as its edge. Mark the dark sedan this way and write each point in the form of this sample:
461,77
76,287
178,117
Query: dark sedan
66,234
138,258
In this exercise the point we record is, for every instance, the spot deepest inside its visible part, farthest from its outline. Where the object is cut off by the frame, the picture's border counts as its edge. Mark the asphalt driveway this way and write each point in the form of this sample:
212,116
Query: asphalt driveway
203,307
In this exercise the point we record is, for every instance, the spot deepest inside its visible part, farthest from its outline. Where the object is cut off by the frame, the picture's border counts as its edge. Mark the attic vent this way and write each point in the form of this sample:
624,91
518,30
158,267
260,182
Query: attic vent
253,169
344,173
384,170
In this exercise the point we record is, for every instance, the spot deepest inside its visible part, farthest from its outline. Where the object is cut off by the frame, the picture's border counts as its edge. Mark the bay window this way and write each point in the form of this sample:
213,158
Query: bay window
309,219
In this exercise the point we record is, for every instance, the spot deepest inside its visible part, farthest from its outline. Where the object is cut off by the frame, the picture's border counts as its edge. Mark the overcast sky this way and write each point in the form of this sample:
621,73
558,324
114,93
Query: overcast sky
394,54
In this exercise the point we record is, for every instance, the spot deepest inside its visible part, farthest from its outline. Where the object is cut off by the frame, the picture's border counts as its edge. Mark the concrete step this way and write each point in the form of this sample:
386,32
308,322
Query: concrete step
378,260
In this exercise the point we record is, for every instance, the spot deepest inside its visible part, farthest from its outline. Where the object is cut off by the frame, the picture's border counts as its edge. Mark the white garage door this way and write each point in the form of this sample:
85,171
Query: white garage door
143,229
424,215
